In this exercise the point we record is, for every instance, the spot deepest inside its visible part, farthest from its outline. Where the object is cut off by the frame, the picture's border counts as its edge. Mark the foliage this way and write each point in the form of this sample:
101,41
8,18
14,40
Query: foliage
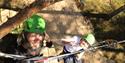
102,6
105,29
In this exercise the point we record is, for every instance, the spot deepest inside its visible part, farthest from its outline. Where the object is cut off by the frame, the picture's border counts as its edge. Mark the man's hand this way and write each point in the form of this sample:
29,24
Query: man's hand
83,44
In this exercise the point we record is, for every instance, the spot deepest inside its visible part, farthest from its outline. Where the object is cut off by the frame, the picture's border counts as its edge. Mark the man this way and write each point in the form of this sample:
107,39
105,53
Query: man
30,41
77,43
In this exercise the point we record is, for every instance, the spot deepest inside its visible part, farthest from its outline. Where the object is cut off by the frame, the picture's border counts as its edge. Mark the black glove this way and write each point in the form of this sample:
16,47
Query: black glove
49,44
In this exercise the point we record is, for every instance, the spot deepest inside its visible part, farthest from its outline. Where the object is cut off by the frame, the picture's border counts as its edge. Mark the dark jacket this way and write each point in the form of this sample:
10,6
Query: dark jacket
9,45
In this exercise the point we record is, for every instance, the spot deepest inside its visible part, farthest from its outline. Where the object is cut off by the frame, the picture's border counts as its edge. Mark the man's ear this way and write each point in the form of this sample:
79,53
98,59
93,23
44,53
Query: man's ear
21,37
46,37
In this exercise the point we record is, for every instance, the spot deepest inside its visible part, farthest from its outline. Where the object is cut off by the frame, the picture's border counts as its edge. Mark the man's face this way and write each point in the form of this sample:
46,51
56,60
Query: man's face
34,39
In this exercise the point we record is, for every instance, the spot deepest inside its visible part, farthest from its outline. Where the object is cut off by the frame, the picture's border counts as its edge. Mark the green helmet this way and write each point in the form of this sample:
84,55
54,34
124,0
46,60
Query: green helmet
35,24
89,38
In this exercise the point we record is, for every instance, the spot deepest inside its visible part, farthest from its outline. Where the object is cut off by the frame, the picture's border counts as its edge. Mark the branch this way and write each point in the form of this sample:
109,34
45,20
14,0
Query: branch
35,7
88,14
117,11
99,15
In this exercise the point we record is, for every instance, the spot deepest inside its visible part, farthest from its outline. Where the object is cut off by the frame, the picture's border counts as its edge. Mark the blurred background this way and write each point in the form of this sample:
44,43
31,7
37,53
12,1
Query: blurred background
104,18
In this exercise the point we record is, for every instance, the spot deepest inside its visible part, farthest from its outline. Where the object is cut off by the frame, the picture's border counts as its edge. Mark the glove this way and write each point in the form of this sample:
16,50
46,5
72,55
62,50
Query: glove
49,44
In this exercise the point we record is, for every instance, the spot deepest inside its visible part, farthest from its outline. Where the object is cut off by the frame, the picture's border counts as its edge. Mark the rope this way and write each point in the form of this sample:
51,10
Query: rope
106,45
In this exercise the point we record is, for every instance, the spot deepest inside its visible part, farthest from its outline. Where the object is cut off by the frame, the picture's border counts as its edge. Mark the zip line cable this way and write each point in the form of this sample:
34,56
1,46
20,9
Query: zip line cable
40,59
19,57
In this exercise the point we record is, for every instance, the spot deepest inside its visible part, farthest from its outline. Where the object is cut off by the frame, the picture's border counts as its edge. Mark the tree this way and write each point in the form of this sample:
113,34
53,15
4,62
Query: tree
33,8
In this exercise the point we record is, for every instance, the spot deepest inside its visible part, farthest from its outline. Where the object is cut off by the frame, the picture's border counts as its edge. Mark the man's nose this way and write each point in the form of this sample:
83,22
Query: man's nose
37,37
